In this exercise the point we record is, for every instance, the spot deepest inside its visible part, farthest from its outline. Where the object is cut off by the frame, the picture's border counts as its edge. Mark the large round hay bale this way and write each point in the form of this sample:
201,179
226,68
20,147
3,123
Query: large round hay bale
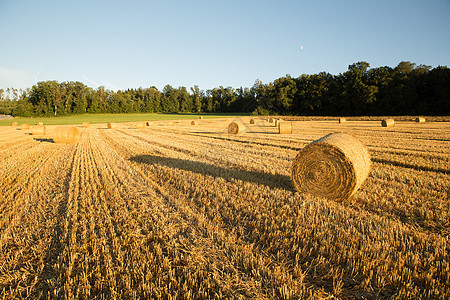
148,123
24,126
285,127
252,121
236,128
333,167
112,125
342,120
193,123
38,130
40,123
140,125
85,124
14,124
66,135
420,120
388,123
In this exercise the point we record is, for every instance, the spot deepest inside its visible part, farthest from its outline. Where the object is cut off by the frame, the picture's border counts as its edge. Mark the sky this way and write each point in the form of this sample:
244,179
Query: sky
132,43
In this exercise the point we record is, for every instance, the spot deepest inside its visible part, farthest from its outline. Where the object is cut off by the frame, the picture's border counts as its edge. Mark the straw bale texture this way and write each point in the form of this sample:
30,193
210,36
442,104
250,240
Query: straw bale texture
140,125
388,122
85,124
333,167
285,127
342,120
24,126
66,135
236,128
112,125
38,130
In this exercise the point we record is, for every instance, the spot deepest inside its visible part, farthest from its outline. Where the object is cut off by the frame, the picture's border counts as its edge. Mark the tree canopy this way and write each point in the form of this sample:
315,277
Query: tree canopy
407,89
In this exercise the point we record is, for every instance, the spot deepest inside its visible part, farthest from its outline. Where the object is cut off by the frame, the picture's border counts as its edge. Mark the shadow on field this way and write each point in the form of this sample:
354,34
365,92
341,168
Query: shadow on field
270,180
50,140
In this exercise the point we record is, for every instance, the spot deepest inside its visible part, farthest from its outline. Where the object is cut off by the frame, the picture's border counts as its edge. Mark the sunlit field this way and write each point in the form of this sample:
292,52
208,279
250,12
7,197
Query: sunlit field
181,211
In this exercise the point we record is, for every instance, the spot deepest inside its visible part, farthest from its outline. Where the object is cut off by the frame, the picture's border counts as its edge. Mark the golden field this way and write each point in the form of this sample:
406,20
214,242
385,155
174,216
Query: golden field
181,211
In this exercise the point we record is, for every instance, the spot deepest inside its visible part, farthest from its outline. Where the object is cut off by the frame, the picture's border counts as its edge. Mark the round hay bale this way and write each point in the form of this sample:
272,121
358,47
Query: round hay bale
388,123
270,120
200,117
112,125
285,127
85,124
333,167
236,128
14,124
38,130
140,125
193,123
148,123
252,121
66,135
40,123
420,120
342,120
24,126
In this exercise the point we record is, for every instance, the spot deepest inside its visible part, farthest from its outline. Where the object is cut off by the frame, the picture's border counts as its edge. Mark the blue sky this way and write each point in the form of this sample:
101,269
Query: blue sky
131,44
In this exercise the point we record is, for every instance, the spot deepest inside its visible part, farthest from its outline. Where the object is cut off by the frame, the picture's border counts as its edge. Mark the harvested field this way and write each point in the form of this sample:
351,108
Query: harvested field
194,212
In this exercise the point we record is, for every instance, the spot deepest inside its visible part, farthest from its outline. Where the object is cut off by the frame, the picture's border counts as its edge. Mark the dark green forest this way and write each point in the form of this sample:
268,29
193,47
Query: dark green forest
407,89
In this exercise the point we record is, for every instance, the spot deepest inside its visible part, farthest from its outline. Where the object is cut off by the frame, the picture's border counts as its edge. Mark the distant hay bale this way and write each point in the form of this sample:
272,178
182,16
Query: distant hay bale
193,123
148,123
40,123
236,128
342,120
270,120
85,124
252,121
38,130
285,127
200,117
24,126
140,125
420,120
14,124
332,167
388,123
66,135
112,125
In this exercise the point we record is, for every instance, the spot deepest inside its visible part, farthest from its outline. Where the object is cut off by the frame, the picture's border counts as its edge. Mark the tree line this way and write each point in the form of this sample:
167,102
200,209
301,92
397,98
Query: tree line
407,89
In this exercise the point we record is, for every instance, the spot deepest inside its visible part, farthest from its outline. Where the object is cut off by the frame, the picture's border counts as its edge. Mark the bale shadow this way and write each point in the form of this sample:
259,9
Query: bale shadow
46,140
270,180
